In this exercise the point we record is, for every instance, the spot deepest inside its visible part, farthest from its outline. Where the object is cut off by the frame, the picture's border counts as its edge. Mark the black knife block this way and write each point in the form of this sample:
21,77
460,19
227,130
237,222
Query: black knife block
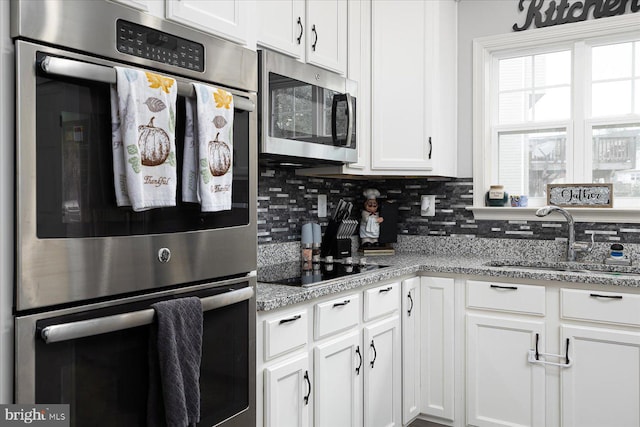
341,248
331,245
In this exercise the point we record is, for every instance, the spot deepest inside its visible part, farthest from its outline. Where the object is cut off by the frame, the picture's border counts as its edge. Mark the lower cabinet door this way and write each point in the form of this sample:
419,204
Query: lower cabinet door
503,388
338,385
287,393
410,349
602,386
382,374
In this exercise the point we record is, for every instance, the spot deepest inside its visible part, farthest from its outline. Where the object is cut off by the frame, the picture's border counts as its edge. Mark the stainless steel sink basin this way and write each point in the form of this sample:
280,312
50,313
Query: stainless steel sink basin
570,267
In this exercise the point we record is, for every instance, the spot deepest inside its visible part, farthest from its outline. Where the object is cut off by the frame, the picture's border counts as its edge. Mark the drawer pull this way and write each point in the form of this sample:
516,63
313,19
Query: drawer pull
606,296
387,289
510,288
291,319
411,306
340,304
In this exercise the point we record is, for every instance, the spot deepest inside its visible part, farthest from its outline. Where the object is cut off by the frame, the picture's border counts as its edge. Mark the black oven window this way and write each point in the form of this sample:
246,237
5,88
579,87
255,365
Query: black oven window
75,195
106,376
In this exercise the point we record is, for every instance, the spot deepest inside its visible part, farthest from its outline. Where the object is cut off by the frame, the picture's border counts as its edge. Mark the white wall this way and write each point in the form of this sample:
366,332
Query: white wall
6,206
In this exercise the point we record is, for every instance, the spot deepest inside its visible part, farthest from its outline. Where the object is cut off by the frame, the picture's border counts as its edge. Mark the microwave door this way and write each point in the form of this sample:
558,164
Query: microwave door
342,119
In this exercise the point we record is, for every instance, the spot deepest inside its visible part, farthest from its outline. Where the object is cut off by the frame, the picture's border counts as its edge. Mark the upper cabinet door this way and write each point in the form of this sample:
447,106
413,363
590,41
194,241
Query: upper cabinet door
326,33
414,87
400,121
225,18
281,26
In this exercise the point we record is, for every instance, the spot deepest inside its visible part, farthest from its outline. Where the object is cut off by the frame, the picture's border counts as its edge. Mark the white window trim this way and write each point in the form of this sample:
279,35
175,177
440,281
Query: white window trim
485,50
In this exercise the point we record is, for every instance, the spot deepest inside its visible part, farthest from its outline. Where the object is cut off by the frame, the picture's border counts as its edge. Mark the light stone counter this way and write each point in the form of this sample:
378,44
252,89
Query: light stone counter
468,263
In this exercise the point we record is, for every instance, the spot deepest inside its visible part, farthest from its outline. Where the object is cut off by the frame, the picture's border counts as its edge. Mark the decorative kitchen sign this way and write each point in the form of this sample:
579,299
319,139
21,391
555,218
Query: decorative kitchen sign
580,195
565,11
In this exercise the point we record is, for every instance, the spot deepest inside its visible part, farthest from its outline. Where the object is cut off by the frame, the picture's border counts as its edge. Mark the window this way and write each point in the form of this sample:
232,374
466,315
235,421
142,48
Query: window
559,105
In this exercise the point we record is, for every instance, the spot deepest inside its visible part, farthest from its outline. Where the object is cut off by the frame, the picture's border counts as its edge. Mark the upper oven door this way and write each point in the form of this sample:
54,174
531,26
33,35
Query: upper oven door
307,112
73,242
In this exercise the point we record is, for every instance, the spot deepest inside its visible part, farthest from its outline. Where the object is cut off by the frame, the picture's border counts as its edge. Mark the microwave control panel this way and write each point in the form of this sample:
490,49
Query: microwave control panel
137,40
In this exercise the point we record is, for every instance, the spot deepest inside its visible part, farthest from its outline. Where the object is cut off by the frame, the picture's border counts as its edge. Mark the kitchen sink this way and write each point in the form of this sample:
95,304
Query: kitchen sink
570,267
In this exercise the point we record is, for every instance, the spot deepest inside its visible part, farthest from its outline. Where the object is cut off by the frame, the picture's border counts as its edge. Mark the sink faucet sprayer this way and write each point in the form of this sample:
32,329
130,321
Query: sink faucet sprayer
573,246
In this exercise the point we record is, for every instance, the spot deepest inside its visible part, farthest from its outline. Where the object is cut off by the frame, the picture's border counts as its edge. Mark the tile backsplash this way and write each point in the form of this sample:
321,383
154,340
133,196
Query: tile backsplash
286,201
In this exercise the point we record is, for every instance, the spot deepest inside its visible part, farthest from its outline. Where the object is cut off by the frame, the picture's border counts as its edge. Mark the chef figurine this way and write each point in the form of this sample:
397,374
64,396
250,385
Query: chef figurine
370,220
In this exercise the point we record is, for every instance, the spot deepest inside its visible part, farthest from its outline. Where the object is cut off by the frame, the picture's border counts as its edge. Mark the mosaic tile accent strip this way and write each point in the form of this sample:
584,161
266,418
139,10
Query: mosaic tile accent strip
286,201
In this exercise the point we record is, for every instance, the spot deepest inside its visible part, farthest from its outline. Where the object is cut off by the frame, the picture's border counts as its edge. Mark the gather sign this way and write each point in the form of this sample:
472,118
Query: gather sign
580,195
544,13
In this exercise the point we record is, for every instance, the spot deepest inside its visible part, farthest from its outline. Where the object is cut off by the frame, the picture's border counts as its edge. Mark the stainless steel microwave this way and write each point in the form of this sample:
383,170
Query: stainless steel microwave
307,114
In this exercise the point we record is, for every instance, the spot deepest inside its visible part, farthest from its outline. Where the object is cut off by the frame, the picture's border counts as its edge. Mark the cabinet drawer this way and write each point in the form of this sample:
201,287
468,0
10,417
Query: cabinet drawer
598,306
381,300
285,333
336,315
517,298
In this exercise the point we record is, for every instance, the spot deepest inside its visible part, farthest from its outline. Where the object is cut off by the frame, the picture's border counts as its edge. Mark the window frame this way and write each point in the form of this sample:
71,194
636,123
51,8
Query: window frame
486,53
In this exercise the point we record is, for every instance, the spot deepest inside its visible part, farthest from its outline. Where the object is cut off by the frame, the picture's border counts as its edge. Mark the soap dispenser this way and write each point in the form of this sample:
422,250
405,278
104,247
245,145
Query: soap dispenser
617,256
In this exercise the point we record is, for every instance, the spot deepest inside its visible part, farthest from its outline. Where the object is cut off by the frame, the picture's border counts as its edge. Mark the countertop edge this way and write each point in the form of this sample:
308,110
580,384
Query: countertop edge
273,296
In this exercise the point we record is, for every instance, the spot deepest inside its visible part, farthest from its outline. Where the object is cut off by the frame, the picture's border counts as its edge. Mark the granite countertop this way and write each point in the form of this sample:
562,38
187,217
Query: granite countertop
272,296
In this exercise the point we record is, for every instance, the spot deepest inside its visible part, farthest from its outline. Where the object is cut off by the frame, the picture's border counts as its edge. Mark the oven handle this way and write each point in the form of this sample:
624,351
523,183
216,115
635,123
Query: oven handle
117,322
106,74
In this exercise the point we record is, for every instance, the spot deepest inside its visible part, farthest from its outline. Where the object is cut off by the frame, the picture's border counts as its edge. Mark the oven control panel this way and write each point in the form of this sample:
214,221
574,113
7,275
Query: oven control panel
137,40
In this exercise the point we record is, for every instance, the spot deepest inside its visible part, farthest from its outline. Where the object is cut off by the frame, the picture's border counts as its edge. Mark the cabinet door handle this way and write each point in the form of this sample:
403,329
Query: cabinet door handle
430,148
301,29
360,363
339,304
534,356
387,289
291,319
510,288
306,377
411,306
606,296
375,353
315,40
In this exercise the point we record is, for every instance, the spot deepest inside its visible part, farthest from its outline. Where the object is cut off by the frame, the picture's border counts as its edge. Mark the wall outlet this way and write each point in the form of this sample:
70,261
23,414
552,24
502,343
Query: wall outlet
322,205
427,205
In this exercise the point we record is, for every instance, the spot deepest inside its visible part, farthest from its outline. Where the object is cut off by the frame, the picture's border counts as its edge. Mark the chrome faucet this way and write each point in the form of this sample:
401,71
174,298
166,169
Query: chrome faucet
573,247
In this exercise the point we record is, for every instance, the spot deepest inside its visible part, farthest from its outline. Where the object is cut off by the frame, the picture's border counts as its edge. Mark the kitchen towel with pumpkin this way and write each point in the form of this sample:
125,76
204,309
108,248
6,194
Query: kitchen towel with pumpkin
213,131
143,139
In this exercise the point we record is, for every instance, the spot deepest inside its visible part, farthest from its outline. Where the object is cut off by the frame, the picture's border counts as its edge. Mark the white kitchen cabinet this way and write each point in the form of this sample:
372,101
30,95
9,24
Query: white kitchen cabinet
414,87
503,388
411,349
382,373
280,26
602,387
153,7
314,31
287,392
437,347
228,19
338,385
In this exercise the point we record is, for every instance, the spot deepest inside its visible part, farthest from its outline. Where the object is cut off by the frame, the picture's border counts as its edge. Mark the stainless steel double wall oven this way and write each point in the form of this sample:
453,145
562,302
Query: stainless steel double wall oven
88,271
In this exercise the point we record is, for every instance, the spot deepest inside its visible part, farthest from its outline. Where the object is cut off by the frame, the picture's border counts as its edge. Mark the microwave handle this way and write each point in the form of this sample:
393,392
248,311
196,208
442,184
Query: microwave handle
105,74
334,131
117,322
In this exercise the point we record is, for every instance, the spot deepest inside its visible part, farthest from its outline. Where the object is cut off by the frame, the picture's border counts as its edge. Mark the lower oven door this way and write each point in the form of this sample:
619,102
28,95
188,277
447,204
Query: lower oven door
95,358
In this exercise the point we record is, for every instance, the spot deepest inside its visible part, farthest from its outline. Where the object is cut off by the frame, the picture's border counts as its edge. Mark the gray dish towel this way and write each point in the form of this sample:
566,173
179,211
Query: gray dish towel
175,351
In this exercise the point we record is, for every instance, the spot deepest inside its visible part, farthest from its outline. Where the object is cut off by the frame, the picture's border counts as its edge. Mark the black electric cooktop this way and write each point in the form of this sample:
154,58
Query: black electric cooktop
298,274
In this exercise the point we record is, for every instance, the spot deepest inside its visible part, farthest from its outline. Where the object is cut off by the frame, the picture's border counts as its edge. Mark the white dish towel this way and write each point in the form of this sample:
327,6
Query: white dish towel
208,158
143,139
